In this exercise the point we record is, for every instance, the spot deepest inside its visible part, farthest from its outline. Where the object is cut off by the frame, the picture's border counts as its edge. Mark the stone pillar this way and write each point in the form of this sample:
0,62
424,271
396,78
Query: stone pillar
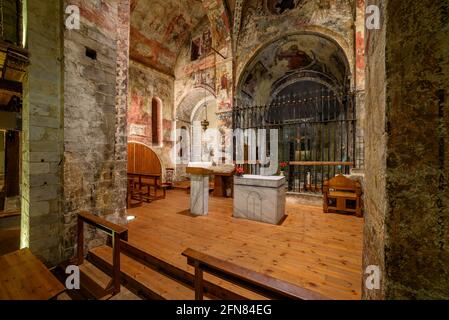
42,133
199,187
121,112
406,193
360,84
199,194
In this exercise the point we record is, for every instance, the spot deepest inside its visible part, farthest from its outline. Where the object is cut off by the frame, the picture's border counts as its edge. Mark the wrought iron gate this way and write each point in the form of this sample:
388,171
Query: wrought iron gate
316,135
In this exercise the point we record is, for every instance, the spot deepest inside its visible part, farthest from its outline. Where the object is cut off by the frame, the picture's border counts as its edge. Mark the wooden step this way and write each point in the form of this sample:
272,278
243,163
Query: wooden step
94,282
141,280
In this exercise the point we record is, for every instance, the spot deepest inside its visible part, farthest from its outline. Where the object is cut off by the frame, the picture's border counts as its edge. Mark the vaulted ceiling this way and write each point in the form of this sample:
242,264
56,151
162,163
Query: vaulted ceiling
160,28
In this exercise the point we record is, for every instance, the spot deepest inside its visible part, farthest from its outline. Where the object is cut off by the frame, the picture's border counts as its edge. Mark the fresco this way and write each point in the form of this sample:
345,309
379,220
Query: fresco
144,85
295,58
224,86
201,45
162,27
205,78
286,58
220,26
281,6
262,23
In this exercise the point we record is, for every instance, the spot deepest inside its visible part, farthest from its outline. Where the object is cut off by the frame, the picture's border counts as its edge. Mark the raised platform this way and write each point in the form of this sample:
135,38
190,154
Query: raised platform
318,251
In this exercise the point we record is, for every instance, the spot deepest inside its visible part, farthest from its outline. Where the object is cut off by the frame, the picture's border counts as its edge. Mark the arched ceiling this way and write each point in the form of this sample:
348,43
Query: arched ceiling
294,56
160,28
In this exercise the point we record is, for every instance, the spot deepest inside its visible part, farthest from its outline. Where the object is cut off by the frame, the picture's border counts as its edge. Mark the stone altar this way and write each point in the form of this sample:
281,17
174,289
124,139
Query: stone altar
199,187
260,198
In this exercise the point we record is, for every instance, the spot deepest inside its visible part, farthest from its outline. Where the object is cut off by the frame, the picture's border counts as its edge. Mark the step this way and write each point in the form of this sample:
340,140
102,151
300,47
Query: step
214,287
140,279
94,282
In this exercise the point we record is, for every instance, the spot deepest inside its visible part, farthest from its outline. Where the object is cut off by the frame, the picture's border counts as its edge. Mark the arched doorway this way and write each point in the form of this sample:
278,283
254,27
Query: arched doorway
300,85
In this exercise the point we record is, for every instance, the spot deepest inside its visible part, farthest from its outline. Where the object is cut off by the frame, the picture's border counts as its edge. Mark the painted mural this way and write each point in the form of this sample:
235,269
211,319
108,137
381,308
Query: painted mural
224,87
220,25
281,6
145,84
262,22
159,28
201,46
289,57
295,58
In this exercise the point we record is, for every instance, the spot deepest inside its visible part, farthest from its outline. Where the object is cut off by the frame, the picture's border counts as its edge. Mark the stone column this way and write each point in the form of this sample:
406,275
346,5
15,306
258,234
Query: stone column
199,195
42,133
199,188
406,194
121,110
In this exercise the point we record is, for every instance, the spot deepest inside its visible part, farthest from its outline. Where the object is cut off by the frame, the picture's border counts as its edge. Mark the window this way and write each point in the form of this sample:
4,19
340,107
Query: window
156,122
195,50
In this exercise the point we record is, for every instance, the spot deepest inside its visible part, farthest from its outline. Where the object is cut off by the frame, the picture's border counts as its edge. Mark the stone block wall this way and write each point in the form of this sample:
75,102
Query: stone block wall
74,122
43,133
417,119
95,105
406,198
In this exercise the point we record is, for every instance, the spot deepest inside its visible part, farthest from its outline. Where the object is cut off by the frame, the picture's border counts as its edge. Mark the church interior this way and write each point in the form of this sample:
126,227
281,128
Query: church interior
224,150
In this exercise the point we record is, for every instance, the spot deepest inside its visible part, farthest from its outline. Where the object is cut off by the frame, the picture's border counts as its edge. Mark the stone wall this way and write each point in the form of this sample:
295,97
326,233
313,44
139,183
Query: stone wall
95,105
406,198
375,156
417,110
42,133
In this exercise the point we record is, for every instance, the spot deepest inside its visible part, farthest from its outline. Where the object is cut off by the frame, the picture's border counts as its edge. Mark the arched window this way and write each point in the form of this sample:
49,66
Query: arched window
156,122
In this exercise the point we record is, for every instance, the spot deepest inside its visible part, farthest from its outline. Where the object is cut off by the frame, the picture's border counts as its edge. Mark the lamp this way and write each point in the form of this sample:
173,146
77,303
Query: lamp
205,123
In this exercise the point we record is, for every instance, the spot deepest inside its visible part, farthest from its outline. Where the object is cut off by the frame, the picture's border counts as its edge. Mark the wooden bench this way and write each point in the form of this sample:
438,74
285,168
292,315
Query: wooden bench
262,284
342,195
24,277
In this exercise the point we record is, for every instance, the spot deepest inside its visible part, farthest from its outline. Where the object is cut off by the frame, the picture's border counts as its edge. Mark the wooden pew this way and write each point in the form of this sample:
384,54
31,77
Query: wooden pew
257,282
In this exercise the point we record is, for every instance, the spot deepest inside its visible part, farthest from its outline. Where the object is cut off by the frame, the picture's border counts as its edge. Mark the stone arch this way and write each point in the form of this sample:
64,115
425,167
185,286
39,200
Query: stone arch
320,31
190,100
315,56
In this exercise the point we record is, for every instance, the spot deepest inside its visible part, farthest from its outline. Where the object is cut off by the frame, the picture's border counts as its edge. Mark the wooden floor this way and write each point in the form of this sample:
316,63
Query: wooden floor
321,252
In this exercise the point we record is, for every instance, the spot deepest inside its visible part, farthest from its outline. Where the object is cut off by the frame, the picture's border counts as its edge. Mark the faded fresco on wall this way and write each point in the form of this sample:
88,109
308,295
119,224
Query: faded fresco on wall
145,84
281,6
262,22
287,60
220,26
201,46
224,86
160,28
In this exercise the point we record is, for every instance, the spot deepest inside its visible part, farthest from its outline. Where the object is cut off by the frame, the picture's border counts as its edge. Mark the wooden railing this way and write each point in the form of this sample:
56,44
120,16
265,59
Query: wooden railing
262,284
116,232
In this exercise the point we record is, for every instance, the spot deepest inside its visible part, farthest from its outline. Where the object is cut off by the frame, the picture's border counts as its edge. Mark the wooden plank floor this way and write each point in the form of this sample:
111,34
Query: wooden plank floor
321,252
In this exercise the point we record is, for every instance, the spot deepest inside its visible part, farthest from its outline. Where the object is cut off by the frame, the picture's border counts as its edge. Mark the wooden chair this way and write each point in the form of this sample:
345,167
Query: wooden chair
342,195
